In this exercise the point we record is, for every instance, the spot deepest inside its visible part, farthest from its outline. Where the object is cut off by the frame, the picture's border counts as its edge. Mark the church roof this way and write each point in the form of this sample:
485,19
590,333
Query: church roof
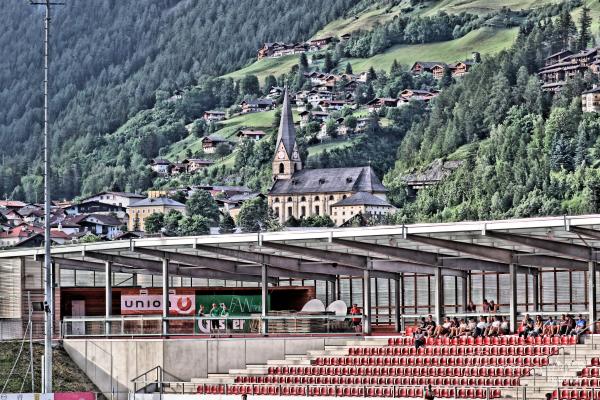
287,132
329,180
363,199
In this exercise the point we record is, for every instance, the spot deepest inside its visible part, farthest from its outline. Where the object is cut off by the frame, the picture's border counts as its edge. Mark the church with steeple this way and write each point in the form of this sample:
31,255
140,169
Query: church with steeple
341,193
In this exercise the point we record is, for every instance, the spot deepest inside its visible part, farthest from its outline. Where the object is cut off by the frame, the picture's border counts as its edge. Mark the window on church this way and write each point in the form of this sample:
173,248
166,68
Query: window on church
276,199
302,198
289,212
344,196
317,211
289,199
276,212
281,168
317,198
331,197
303,211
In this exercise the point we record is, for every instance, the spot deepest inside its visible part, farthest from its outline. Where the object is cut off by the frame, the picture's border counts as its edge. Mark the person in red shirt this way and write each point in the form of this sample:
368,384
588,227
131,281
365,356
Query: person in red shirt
355,311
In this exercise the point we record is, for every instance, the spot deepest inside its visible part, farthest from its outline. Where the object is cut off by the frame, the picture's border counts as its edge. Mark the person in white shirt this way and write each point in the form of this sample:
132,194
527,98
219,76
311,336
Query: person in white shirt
482,325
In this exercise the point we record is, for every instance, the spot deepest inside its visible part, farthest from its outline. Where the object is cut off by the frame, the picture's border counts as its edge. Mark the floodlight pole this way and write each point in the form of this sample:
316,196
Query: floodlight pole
48,275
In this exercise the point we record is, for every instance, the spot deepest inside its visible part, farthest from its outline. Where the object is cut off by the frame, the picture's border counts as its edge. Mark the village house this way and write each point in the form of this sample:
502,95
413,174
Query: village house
178,168
140,210
210,143
233,203
121,199
590,100
161,166
107,226
251,134
420,67
438,70
378,103
308,116
320,42
298,192
214,116
564,65
97,207
275,92
256,105
12,204
363,204
195,164
461,68
316,96
12,216
340,129
332,105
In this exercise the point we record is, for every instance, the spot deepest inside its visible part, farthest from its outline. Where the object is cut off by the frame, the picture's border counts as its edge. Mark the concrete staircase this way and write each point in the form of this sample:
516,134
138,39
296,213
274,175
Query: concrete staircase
570,360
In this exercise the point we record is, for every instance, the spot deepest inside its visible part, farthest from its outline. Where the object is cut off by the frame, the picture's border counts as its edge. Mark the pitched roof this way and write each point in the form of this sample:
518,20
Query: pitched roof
156,161
12,204
126,194
250,132
214,138
326,180
157,201
363,199
258,102
592,90
428,64
104,219
286,133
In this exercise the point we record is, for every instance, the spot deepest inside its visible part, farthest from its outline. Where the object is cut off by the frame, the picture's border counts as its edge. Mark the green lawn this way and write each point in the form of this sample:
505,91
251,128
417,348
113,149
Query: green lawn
484,40
338,144
265,67
364,21
484,6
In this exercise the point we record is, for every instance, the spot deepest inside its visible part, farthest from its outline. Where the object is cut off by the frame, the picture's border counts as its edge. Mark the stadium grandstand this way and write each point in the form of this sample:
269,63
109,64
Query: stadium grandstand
474,310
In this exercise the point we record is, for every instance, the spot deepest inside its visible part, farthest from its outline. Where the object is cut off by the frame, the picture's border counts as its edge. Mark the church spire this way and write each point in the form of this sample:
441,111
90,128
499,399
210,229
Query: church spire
286,160
287,131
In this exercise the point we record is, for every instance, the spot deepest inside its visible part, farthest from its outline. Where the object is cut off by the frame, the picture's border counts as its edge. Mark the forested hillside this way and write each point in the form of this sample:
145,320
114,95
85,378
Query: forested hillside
109,58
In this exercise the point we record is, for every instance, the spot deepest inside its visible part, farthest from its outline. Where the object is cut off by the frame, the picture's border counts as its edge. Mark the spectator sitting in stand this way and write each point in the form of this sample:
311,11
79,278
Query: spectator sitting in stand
471,326
471,307
443,329
493,306
580,326
481,328
526,326
548,327
430,325
419,338
485,306
538,327
505,326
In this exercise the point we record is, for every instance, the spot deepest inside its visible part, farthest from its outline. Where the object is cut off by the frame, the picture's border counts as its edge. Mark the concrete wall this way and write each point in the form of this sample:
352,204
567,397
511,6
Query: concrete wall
181,359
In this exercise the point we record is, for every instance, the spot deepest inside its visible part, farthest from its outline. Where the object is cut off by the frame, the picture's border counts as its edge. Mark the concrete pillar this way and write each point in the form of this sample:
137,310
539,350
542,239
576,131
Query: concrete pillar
398,303
338,288
367,302
592,294
264,298
464,294
107,295
536,290
165,295
512,312
438,300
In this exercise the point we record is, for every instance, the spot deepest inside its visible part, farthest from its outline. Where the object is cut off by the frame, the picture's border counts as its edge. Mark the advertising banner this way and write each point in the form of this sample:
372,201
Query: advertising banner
236,305
179,304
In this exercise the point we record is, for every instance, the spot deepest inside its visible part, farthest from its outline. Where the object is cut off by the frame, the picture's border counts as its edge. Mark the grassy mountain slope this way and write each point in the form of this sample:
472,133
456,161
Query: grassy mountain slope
485,40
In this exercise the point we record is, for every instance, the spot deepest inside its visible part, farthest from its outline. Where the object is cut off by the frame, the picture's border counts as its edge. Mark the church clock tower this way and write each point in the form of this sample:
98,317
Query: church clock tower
287,158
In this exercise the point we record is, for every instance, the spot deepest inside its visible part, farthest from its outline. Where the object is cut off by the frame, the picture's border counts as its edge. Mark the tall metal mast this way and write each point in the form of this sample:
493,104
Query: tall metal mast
48,276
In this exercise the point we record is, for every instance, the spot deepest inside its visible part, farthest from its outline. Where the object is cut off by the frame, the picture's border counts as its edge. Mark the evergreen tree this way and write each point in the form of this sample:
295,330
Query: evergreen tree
250,86
349,68
395,69
227,224
446,78
270,82
328,63
566,28
371,74
585,23
303,61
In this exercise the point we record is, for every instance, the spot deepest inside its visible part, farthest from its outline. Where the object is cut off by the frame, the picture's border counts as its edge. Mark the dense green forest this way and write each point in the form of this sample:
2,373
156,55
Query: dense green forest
109,59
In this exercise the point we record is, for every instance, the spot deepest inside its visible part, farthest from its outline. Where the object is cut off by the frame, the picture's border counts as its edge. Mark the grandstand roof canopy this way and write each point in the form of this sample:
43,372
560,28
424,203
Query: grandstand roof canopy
568,242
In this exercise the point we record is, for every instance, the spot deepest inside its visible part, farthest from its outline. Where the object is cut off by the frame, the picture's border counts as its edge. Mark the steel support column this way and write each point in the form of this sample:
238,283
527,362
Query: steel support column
107,295
264,286
438,295
464,294
367,302
397,304
535,278
338,288
592,294
165,296
513,297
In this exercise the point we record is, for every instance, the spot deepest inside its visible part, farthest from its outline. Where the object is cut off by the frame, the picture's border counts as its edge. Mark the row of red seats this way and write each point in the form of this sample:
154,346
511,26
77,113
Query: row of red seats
486,341
576,394
378,380
347,391
594,382
516,350
590,371
402,371
433,361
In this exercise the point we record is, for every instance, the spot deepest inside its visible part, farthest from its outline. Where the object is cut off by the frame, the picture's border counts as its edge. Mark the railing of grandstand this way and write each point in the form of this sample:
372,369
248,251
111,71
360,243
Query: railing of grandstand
152,325
414,318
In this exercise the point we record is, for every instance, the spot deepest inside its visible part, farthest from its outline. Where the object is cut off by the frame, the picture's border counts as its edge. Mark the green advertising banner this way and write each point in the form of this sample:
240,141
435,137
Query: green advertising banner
236,305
